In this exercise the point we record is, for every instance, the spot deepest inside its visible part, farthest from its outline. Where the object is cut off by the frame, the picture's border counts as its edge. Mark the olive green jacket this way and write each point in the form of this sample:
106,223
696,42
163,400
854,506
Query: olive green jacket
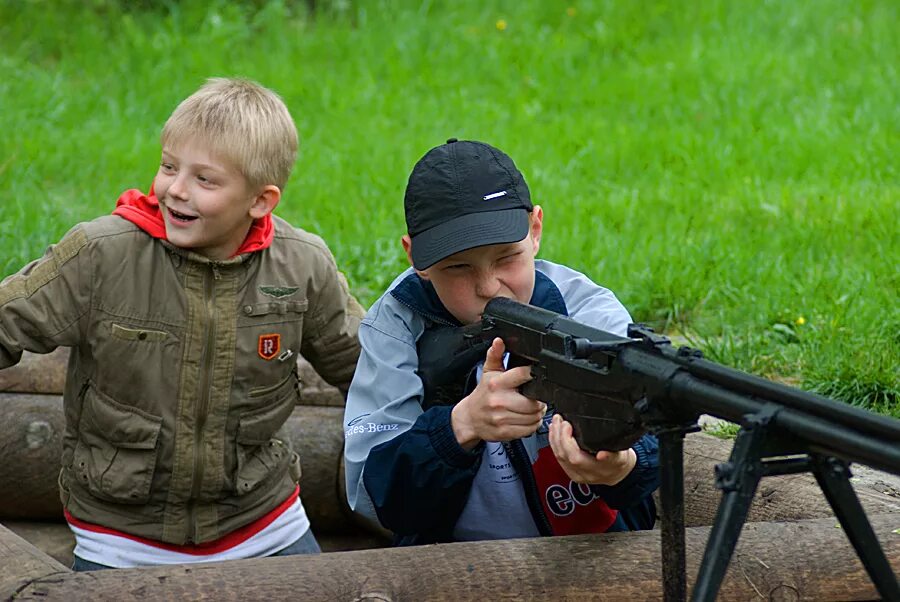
182,370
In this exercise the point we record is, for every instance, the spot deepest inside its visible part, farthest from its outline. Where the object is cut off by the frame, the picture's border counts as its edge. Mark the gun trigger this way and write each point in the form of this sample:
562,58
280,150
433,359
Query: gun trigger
529,390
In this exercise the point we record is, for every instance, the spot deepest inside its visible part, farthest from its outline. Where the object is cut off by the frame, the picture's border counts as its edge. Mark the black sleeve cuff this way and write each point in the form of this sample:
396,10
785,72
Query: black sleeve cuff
640,482
440,432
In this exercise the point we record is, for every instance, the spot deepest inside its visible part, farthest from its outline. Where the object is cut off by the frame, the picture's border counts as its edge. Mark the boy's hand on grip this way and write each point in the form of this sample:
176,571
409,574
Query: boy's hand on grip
496,410
605,468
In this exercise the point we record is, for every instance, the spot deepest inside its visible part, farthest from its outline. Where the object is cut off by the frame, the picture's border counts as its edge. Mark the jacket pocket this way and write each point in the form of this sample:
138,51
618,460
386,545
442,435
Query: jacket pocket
115,456
276,307
286,387
137,334
269,338
259,452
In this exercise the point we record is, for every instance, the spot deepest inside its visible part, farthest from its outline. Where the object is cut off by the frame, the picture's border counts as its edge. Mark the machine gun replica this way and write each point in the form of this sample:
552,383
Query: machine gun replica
613,389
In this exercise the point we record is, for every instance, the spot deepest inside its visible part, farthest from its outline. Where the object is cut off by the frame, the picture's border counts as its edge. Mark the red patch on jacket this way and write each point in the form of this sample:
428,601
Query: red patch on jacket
269,346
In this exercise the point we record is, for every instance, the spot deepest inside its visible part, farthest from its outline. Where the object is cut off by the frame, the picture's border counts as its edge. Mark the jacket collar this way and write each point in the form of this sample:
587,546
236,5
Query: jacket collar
419,295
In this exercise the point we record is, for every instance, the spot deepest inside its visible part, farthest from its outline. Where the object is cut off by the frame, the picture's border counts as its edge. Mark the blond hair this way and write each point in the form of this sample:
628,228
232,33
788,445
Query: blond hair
241,122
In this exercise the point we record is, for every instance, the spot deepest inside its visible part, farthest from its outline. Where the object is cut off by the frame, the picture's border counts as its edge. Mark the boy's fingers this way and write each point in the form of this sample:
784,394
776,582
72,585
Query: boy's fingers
567,444
529,407
515,377
563,453
554,437
493,362
529,419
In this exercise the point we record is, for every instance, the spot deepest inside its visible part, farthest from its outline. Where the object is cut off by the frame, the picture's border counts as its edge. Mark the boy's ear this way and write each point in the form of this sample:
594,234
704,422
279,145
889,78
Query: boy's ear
536,227
406,241
265,202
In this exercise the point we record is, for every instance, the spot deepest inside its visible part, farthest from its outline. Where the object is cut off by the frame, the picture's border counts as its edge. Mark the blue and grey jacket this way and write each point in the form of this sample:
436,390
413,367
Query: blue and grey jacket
404,467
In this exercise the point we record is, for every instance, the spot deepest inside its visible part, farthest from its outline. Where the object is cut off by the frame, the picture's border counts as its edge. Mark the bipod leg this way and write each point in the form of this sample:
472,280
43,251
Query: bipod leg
738,479
671,497
833,476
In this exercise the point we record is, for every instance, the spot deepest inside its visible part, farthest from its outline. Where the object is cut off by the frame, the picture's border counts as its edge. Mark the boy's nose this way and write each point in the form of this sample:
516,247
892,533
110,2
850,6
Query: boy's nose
487,286
177,189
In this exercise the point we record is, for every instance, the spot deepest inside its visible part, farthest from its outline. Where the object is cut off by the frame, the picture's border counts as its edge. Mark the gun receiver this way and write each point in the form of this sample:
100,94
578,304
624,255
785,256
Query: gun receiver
613,389
573,369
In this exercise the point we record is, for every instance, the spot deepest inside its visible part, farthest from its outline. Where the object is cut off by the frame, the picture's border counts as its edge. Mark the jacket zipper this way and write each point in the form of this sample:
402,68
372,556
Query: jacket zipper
201,409
518,455
430,316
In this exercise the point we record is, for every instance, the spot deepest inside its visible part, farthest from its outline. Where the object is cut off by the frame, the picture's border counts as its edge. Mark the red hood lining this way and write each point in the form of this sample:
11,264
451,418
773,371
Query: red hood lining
143,211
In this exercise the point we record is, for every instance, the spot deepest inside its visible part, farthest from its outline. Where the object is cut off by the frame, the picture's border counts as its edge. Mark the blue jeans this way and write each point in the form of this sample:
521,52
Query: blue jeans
307,544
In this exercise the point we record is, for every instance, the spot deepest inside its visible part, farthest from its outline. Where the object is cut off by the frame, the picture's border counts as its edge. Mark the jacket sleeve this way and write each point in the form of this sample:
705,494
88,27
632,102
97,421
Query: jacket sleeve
330,331
641,482
42,306
419,481
404,467
588,302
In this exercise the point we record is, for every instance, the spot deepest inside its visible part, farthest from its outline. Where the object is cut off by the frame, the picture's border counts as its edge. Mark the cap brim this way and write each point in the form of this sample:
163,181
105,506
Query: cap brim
466,232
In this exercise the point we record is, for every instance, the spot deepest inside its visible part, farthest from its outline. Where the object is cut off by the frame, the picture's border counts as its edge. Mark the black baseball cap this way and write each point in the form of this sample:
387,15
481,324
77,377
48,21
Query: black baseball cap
464,194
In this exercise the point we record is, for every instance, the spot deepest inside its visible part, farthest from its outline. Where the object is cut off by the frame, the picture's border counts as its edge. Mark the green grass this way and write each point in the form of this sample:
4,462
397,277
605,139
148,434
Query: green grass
723,430
728,168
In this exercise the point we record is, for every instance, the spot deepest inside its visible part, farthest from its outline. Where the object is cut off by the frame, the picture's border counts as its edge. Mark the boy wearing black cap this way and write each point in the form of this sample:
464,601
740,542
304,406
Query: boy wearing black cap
491,463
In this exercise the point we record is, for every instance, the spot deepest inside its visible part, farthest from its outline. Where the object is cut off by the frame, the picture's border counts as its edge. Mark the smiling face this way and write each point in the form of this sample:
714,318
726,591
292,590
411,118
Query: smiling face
207,204
467,280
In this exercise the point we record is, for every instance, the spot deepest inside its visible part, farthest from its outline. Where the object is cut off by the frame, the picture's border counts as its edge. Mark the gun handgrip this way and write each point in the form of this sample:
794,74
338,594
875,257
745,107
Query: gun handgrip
530,390
614,429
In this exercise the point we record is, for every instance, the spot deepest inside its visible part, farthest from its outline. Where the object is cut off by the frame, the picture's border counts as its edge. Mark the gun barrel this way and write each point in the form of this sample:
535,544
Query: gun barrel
866,446
810,403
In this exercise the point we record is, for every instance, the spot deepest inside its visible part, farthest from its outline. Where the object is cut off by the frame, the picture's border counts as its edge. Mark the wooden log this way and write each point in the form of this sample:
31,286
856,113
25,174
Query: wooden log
316,434
788,497
30,445
21,564
56,539
314,391
808,560
53,539
346,542
46,374
37,373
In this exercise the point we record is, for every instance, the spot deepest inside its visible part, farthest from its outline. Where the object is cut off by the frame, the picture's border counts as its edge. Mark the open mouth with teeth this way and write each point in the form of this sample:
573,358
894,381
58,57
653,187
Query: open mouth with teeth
180,217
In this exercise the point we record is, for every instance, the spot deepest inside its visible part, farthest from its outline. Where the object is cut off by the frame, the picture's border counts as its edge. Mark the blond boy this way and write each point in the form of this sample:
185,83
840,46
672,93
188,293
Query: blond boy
185,312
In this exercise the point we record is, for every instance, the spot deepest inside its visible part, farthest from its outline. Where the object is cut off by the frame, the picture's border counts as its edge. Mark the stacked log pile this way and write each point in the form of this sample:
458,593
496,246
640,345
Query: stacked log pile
803,560
30,443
